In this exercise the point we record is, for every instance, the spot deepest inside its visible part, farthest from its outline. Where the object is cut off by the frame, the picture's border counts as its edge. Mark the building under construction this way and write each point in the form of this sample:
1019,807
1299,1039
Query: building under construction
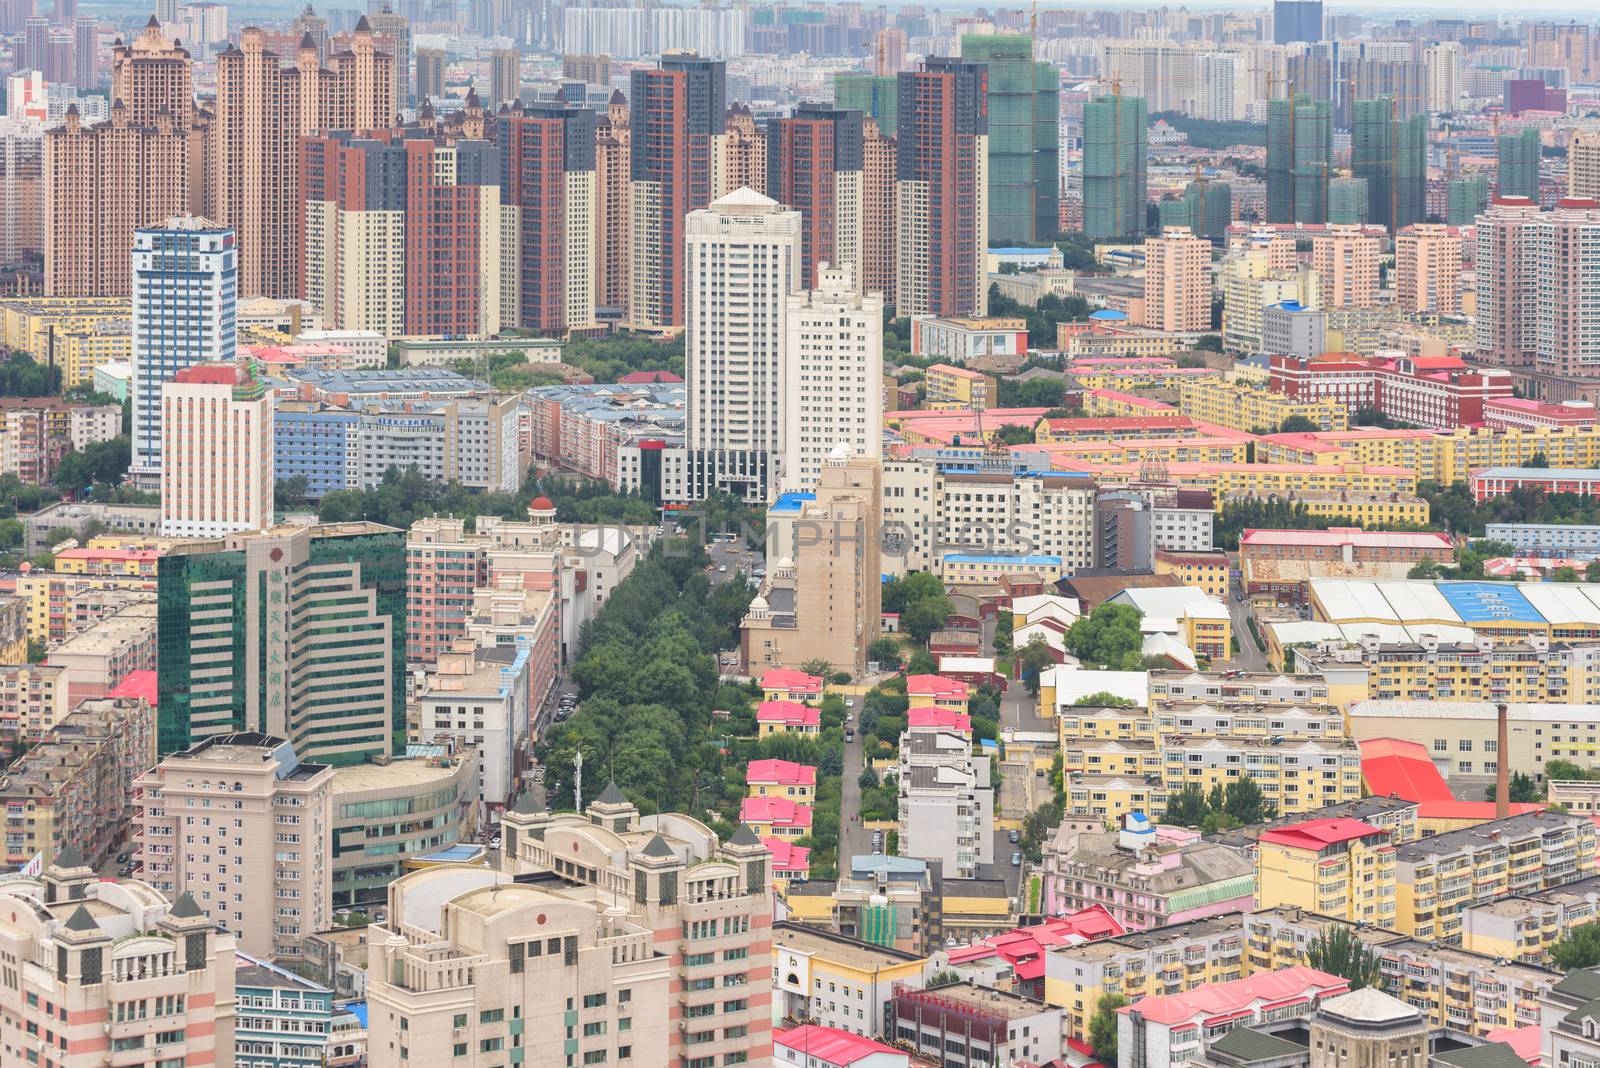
1299,154
1517,156
1024,146
1206,208
1115,161
1392,155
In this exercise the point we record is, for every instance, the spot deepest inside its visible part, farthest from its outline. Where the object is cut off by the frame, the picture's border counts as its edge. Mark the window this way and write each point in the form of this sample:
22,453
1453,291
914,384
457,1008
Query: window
460,1020
490,1045
490,1016
596,1056
459,1050
594,1001
598,1027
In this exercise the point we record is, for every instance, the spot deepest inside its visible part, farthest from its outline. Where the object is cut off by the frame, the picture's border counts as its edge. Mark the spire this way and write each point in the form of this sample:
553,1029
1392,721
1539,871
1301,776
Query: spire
362,25
658,847
153,24
611,795
307,41
185,907
744,836
69,857
617,98
527,805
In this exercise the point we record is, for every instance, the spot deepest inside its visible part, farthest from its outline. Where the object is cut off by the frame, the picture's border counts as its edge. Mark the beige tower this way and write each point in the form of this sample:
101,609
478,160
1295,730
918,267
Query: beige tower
505,76
1368,1029
1346,262
611,205
1583,164
1177,281
1428,270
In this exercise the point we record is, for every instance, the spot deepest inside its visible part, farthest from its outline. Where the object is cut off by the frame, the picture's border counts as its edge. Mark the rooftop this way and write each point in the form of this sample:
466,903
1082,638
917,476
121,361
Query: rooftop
990,1002
848,951
830,1045
1319,834
1340,536
1369,1005
1215,1000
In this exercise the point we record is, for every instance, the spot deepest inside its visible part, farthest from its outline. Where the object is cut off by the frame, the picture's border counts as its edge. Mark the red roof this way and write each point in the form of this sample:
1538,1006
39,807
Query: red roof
778,811
939,717
788,858
1397,768
934,686
1225,999
1024,947
791,712
1319,834
831,1045
642,378
788,679
140,684
108,554
215,374
1525,1042
784,772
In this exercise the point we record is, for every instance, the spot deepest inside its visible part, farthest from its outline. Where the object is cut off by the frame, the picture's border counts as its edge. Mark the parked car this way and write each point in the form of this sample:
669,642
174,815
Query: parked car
1013,836
849,735
1016,860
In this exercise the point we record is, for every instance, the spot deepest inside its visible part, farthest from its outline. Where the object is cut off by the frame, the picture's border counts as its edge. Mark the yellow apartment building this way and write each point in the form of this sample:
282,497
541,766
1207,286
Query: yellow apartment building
1442,456
1333,866
1524,927
1479,670
1241,406
949,386
838,981
1208,450
1207,570
89,331
1294,481
1438,878
1143,377
1370,510
781,778
1077,343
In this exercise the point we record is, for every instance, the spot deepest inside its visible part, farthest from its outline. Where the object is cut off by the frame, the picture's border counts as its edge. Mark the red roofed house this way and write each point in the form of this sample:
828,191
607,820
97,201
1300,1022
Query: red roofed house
785,684
781,778
647,378
790,862
787,717
936,690
1337,867
1393,767
1159,1031
775,817
1023,949
815,1046
939,719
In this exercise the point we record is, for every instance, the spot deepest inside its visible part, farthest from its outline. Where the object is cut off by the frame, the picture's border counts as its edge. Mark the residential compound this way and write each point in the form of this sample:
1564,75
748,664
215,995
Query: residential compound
946,798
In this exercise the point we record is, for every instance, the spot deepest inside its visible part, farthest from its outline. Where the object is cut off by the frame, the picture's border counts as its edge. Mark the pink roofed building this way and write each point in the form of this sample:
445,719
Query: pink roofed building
920,426
1428,391
140,684
786,684
775,817
648,378
789,861
933,718
938,691
1155,1032
1519,413
815,1046
1393,767
1525,1042
787,717
781,778
1022,950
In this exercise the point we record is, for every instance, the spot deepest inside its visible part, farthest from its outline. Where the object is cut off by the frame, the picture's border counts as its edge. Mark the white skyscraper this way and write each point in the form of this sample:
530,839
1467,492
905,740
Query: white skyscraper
744,262
833,376
185,288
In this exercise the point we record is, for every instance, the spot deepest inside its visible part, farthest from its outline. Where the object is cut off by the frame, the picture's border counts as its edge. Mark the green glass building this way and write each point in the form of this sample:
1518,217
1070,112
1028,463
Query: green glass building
1024,150
1116,158
1299,157
1392,155
1411,171
297,632
1466,198
1347,201
1206,208
874,97
1517,155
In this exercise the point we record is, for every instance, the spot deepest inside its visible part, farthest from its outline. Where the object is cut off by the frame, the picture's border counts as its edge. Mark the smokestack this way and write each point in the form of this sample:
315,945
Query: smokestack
1502,777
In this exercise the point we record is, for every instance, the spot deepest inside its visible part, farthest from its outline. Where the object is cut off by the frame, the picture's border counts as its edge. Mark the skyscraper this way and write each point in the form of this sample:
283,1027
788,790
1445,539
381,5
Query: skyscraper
231,661
1205,209
36,44
879,197
833,376
1296,20
1299,155
395,33
430,74
876,97
814,165
744,262
611,207
1517,164
1583,164
1466,198
739,153
85,53
263,108
942,179
1507,268
505,76
216,452
1392,155
1346,262
550,179
1427,264
1568,290
1024,137
1177,281
1116,158
677,112
185,288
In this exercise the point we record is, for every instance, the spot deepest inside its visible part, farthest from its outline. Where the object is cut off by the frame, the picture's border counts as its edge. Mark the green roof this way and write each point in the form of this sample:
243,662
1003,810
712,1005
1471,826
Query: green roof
1245,1044
1494,1055
1211,894
1583,985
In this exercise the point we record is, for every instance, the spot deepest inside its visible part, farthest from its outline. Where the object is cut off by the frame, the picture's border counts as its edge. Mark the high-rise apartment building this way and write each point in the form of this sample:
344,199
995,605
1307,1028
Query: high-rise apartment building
1517,164
231,662
739,154
1296,20
22,190
1346,262
1583,164
430,74
85,53
942,189
216,452
394,35
678,111
1507,268
1116,155
744,262
1299,157
83,945
645,932
263,108
833,376
103,182
611,208
1443,65
241,824
1568,291
550,180
1177,281
814,165
1428,270
889,52
1466,198
877,97
185,292
1206,208
1391,155
823,594
879,199
1024,137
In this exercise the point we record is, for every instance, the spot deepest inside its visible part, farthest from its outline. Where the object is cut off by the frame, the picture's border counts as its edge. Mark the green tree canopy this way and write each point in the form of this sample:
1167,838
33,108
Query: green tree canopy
1337,951
1579,949
1108,637
1103,1028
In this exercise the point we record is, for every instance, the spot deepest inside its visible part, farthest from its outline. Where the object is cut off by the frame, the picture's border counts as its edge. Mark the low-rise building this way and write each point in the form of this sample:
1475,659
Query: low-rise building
1240,406
781,778
1551,539
283,1019
963,340
36,432
787,717
33,697
95,660
787,684
481,697
960,388
838,981
1523,927
777,817
978,1024
1205,570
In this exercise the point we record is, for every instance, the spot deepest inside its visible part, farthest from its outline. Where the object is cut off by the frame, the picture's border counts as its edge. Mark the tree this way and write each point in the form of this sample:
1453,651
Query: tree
1538,459
1424,569
1567,771
921,663
1592,572
1297,424
1579,949
1019,434
290,492
1337,951
21,376
926,615
1564,574
1522,788
868,780
1002,632
1243,801
886,651
1033,659
1103,1028
899,593
1187,807
817,666
1105,699
1208,343
1108,637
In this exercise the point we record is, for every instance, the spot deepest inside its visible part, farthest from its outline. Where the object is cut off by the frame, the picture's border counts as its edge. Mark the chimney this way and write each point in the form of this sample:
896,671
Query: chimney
1502,776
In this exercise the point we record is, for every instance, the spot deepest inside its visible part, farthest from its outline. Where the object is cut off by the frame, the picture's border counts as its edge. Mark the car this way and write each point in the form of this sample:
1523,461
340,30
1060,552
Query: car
723,568
849,735
1013,836
849,702
877,841
1016,860
122,858
495,842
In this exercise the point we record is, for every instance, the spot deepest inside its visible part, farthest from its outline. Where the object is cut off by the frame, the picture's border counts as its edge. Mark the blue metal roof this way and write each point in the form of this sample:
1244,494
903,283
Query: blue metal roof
792,502
1489,602
454,854
358,1009
1108,313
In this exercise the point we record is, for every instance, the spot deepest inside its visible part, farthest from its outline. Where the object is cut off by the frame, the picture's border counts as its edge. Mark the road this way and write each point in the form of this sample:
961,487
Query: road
854,839
733,556
1250,656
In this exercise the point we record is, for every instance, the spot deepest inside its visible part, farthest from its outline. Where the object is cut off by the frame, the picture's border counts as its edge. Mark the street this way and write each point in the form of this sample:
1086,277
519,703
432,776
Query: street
854,839
1250,656
728,558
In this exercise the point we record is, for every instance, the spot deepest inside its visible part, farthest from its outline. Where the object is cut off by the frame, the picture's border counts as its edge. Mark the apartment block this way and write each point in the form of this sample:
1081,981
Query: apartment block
36,432
33,697
960,388
833,375
216,448
101,654
1523,927
1481,670
1177,281
72,788
1244,407
1333,866
242,824
814,164
282,1018
946,801
840,982
1428,270
481,696
1346,261
550,179
1172,1029
994,1025
131,971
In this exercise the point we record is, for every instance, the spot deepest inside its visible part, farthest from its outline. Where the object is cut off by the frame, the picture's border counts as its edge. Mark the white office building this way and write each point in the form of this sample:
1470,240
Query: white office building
185,288
833,376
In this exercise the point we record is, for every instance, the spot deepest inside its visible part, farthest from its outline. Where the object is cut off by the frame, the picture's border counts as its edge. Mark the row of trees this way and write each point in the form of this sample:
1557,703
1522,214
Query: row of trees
1239,804
22,376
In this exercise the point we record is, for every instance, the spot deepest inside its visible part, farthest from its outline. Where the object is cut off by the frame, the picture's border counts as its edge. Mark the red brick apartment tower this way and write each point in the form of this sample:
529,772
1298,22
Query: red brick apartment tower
446,224
611,206
678,111
1507,268
942,174
814,161
550,177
